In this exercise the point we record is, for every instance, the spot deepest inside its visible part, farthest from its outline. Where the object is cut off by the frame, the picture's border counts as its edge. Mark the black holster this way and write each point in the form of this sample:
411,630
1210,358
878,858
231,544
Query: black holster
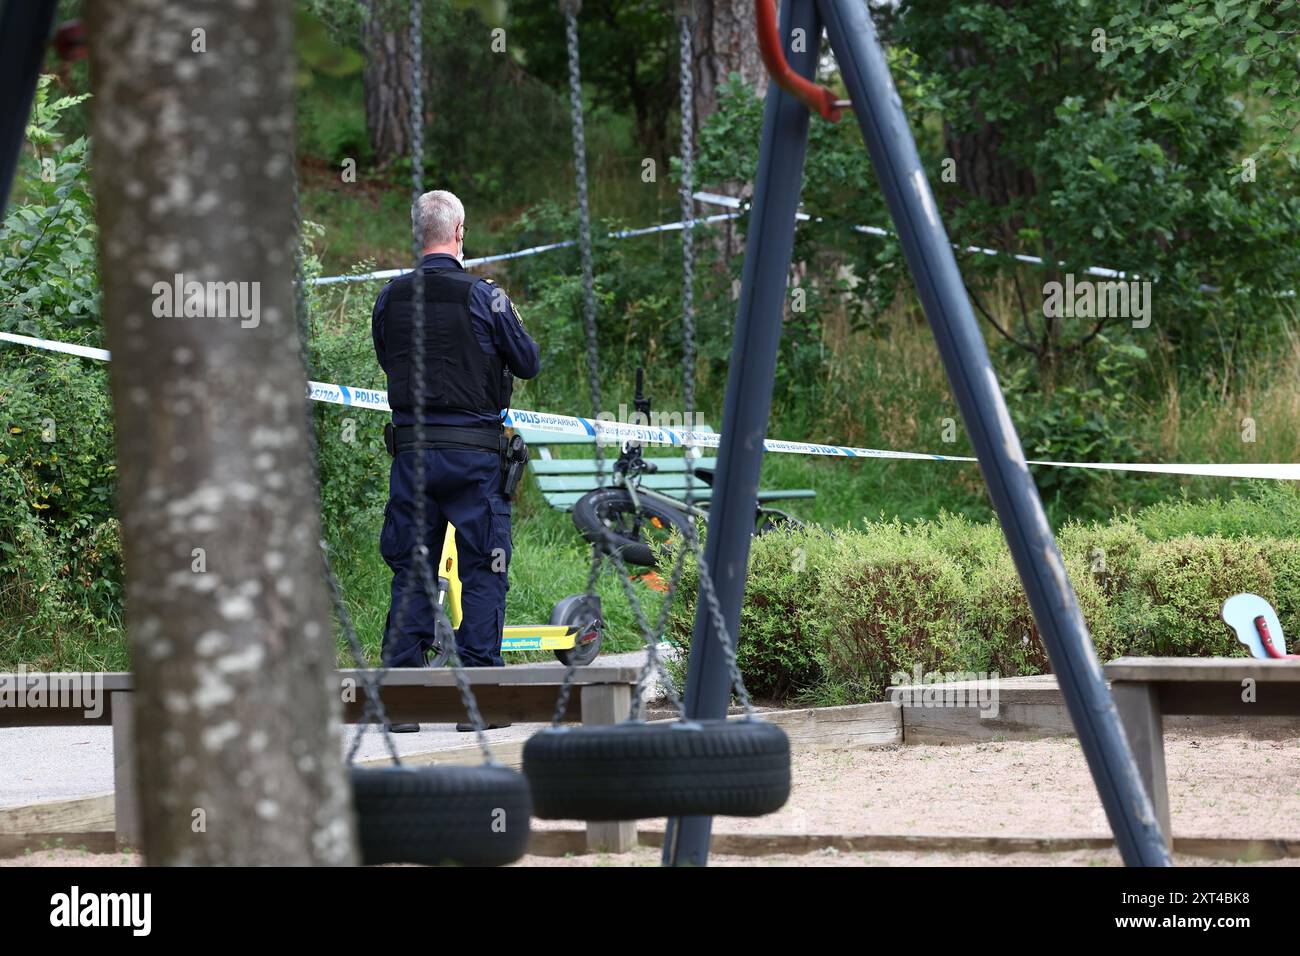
514,461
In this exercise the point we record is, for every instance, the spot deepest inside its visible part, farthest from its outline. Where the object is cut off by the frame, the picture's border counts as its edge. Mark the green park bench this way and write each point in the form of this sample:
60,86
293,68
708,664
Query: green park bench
563,480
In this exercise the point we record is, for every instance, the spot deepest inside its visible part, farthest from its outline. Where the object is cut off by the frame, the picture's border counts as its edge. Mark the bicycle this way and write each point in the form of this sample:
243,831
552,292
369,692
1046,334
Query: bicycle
629,518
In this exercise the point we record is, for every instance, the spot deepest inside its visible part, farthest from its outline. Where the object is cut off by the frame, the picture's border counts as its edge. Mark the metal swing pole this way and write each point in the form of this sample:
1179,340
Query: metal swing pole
769,245
1015,497
24,28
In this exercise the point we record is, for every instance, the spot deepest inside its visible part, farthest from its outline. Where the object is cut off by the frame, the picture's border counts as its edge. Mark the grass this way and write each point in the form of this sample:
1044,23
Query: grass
884,390
369,220
550,561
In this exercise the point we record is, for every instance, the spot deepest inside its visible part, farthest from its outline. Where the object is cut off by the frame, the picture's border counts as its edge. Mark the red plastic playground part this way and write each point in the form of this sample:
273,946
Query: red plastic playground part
817,98
1261,627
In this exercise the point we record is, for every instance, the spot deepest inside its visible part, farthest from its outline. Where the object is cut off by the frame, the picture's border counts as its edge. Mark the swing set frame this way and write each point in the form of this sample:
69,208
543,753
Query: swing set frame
929,254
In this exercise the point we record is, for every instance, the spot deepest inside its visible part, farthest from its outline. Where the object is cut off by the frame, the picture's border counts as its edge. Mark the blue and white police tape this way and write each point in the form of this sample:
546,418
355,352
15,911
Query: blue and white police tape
536,426
731,202
531,251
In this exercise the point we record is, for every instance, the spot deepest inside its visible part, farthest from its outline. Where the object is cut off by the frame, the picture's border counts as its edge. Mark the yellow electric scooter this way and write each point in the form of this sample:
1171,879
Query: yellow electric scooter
574,632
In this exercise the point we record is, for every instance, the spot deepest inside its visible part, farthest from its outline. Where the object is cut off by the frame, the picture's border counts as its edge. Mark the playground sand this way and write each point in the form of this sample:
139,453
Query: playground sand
1227,786
1220,785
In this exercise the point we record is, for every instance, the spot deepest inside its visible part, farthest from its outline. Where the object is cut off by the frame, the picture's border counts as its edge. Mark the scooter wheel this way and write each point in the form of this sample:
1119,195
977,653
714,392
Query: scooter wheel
577,611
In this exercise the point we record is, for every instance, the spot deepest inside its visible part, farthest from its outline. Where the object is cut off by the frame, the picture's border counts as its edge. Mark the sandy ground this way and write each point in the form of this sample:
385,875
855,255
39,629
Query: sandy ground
649,856
1220,786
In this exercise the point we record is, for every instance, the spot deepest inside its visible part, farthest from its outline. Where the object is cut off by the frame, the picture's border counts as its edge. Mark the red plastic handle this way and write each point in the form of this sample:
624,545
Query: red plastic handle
1261,627
817,98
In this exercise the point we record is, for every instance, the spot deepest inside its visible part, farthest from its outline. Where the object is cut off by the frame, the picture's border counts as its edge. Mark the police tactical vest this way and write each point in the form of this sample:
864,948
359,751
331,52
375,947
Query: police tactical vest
458,374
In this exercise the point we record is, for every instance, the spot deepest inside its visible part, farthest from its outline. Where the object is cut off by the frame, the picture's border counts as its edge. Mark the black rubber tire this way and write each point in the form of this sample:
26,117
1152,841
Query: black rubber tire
774,519
636,771
468,816
576,611
590,511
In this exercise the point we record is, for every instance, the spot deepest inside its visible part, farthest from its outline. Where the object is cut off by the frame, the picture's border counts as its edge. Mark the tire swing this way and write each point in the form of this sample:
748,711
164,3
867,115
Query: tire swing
636,770
431,815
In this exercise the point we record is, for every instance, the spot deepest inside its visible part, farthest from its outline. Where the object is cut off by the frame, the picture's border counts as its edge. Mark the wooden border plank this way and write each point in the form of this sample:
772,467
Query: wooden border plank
556,842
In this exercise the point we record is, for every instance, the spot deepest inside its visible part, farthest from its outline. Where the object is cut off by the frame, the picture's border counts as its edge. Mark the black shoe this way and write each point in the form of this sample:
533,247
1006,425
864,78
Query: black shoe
403,728
469,728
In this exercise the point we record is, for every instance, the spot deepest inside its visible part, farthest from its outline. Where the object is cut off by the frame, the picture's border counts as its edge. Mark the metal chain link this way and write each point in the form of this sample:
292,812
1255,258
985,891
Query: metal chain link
373,711
423,559
650,634
720,625
687,87
570,8
653,663
687,84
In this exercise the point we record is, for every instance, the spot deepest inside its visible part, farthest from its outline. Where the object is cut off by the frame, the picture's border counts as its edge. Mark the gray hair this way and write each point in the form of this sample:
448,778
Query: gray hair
434,218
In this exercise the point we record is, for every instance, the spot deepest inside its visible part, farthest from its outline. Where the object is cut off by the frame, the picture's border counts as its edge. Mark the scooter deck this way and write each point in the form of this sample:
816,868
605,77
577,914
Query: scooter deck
514,637
538,637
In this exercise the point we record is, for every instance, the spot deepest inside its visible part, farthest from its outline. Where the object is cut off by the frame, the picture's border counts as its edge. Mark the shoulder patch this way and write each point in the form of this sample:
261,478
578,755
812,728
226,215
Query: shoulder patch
518,318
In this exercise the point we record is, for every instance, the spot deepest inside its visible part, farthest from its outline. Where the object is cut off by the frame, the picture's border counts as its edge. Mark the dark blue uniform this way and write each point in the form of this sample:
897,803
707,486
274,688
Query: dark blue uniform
462,485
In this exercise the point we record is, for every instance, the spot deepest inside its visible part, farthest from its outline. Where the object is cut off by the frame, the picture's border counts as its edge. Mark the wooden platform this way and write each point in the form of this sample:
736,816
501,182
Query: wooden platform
1030,708
1237,850
524,693
1148,690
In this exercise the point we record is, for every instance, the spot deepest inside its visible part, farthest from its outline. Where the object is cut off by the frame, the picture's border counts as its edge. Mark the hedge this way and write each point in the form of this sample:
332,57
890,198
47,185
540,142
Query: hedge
830,615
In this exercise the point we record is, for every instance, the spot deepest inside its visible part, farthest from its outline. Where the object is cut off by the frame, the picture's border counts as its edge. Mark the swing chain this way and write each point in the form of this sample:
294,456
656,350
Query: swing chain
374,706
422,558
687,109
654,663
686,88
687,104
570,9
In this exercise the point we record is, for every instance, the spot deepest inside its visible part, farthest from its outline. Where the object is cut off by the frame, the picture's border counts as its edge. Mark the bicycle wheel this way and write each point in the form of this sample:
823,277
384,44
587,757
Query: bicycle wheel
607,519
774,519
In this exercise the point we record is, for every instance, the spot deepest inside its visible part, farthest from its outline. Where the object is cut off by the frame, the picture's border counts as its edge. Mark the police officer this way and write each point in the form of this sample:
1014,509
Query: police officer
474,342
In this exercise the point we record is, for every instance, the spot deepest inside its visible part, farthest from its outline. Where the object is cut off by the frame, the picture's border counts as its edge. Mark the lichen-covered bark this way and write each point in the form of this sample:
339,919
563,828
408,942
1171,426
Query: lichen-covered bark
387,79
237,710
723,42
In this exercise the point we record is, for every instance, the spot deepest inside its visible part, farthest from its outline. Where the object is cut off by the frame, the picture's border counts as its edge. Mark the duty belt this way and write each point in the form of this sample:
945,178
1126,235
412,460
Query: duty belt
448,436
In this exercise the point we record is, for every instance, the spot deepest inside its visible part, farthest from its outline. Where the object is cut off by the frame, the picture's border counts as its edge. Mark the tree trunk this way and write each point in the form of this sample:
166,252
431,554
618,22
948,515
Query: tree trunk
983,170
386,39
237,703
724,42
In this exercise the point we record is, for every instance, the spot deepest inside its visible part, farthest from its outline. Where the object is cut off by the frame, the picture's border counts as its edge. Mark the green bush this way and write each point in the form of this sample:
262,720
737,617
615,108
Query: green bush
60,556
352,461
833,616
1268,509
777,657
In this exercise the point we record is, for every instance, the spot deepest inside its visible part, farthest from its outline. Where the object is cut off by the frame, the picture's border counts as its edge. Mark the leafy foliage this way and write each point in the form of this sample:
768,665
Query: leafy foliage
47,247
629,57
60,561
1253,40
833,615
